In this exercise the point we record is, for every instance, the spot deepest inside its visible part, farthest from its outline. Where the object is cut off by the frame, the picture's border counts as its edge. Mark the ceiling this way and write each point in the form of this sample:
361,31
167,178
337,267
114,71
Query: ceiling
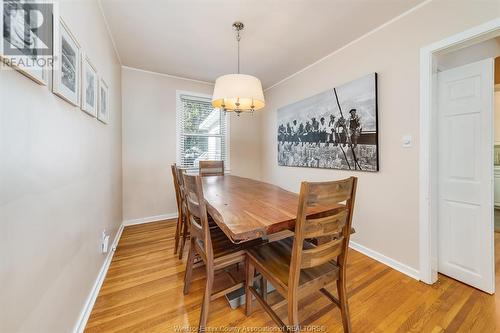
194,38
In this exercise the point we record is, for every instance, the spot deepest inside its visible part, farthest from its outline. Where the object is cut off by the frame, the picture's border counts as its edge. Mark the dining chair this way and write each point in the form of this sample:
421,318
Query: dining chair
181,230
297,267
211,168
211,245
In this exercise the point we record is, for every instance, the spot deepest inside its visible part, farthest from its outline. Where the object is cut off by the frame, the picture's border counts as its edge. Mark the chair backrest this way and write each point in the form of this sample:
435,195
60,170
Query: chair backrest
197,214
211,168
334,225
178,197
180,179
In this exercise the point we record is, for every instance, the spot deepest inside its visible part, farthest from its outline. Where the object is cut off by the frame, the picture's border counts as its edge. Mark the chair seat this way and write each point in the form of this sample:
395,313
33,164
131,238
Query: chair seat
274,259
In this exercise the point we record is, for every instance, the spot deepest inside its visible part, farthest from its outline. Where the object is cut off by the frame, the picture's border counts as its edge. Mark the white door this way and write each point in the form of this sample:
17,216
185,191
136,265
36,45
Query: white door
465,166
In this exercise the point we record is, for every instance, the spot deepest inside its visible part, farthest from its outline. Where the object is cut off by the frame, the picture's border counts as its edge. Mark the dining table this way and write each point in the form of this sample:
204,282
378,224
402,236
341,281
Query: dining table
247,209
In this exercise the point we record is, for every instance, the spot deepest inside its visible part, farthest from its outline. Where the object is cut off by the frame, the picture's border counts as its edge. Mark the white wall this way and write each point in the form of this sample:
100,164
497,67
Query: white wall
60,186
149,134
386,216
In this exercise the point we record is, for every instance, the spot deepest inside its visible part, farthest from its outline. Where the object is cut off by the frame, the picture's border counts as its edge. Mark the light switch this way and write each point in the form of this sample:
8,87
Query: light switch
407,141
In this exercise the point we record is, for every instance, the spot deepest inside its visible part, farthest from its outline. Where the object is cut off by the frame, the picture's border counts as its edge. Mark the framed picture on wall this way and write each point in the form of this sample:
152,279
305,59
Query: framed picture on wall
103,111
26,42
335,129
89,87
66,73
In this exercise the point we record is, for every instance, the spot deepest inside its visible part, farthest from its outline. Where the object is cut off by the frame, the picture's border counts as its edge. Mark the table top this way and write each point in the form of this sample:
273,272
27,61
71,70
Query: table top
247,209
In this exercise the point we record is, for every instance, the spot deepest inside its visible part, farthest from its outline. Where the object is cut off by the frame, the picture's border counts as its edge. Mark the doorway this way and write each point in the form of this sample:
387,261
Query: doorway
456,194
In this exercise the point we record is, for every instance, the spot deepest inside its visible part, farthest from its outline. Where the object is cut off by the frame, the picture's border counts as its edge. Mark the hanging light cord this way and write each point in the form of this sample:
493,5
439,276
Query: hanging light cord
238,38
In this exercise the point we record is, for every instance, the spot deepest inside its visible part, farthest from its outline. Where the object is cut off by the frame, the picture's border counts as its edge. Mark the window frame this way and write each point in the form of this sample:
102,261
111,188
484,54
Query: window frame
179,131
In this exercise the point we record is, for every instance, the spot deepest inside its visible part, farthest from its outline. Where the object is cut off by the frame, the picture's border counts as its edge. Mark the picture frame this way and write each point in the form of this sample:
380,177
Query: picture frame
32,64
103,110
90,86
67,67
335,129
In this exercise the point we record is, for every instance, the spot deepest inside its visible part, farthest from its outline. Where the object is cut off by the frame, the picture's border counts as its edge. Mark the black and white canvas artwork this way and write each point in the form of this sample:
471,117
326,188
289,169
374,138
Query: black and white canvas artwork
336,129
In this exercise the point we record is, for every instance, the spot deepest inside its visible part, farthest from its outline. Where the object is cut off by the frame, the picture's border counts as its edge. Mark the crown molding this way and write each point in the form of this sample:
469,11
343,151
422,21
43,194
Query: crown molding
167,75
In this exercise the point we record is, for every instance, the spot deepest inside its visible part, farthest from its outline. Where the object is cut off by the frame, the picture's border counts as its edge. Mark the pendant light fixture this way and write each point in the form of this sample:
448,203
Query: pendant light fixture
238,92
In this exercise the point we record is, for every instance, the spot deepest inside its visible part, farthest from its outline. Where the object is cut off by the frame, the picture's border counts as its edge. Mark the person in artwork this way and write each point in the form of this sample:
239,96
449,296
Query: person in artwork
341,131
281,133
354,127
288,132
295,131
315,131
301,133
331,130
323,136
308,132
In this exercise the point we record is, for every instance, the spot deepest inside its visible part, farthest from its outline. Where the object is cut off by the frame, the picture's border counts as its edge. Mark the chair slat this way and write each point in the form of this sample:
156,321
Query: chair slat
325,226
180,172
329,193
211,168
321,254
191,197
196,228
193,206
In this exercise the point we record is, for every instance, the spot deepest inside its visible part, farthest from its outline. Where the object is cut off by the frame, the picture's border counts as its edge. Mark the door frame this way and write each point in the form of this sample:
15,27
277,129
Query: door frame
428,199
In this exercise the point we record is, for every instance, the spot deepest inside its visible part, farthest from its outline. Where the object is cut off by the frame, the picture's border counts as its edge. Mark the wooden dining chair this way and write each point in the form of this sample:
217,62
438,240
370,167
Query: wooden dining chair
211,168
211,245
181,229
296,267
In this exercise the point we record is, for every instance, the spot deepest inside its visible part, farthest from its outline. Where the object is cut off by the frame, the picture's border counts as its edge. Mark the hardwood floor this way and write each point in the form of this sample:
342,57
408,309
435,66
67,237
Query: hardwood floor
142,292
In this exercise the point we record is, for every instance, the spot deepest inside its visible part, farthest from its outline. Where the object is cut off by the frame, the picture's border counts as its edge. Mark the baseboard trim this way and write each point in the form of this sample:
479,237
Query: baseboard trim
407,270
89,303
149,219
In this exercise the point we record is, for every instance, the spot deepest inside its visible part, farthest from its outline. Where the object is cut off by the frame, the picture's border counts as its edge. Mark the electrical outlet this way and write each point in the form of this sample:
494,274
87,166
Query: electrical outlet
104,242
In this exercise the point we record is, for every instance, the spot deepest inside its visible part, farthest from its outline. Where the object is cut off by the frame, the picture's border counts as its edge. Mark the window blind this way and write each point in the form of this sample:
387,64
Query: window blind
202,132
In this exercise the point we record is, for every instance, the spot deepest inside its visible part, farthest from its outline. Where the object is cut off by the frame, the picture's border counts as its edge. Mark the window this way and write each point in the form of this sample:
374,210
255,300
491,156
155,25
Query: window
202,131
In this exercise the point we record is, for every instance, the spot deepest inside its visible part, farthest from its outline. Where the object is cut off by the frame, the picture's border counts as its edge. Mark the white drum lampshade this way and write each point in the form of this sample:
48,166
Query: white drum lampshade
238,93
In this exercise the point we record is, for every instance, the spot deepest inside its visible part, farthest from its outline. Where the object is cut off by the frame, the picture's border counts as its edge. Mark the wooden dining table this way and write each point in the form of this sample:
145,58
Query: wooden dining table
247,209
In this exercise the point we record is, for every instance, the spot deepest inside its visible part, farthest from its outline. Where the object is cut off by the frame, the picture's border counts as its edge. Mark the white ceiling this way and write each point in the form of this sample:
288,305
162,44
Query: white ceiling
194,38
